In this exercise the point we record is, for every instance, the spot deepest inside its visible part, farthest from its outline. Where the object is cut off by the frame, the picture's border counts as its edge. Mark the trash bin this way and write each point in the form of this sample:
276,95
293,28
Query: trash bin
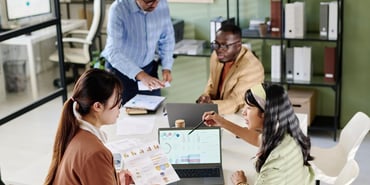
15,75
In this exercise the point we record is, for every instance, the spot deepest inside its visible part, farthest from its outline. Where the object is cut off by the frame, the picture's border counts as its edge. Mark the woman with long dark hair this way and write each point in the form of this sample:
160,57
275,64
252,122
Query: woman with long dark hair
79,155
284,151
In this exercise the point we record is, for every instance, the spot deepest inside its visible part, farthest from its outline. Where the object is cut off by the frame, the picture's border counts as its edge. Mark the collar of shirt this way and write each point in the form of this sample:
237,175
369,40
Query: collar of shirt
84,125
135,7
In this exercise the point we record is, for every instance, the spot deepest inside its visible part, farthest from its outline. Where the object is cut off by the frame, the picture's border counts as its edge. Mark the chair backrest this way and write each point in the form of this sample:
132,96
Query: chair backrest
353,134
1,181
96,24
348,174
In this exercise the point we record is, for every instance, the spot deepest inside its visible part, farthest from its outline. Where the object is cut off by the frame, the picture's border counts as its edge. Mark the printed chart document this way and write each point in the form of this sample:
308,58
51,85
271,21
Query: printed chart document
148,102
117,146
146,162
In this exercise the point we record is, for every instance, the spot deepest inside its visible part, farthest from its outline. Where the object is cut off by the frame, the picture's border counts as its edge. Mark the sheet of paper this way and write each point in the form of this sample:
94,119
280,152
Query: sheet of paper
123,144
133,125
143,87
149,165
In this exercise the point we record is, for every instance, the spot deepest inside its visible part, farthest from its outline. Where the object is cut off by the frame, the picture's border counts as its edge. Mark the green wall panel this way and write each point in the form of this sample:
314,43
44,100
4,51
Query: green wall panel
356,59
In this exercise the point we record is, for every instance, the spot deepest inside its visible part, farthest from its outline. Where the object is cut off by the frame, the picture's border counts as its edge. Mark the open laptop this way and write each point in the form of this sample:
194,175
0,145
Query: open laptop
197,158
190,112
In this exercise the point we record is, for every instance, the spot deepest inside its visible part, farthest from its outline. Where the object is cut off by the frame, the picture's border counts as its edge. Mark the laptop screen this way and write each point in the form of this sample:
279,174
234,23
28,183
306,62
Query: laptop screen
190,112
203,146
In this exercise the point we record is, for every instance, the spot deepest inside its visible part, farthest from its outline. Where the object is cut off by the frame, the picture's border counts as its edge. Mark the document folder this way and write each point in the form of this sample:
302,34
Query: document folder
289,20
329,63
333,23
289,66
294,20
147,102
275,17
275,62
324,19
302,64
216,24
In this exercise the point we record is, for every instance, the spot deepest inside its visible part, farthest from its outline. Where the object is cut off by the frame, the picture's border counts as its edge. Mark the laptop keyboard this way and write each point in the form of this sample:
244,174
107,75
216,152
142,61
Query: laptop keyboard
203,172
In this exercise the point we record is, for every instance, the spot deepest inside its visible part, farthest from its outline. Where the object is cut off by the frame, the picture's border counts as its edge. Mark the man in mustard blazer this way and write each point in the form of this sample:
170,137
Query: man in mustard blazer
233,70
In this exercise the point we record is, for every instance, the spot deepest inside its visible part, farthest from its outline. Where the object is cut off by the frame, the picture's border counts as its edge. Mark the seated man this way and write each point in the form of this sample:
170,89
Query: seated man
233,70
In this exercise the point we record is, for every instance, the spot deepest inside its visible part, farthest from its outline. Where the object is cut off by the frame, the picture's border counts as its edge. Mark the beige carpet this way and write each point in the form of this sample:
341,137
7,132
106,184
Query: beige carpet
190,75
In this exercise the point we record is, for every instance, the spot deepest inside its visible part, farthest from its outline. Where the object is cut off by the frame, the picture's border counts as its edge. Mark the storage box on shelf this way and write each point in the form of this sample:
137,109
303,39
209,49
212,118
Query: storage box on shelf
304,101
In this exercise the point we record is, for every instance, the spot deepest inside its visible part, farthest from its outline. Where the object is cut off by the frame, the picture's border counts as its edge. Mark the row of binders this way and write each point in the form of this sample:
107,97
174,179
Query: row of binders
298,63
294,19
328,20
298,66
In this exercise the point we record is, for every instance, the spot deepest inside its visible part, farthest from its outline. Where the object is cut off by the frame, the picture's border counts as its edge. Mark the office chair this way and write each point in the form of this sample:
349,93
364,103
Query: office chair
329,162
79,50
348,174
1,181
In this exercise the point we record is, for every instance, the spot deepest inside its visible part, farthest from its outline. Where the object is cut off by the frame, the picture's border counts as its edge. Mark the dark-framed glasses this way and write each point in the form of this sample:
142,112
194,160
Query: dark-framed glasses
149,2
215,45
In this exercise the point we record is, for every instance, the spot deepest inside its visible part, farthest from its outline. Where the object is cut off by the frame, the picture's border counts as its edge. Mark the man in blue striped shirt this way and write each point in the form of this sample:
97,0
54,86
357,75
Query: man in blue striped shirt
140,37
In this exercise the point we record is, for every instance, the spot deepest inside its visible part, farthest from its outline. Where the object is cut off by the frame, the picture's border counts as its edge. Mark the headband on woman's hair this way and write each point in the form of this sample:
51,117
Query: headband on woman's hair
260,95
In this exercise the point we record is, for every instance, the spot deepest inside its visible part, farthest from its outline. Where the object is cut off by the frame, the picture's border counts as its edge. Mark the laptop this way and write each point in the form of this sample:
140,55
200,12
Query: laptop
190,112
196,158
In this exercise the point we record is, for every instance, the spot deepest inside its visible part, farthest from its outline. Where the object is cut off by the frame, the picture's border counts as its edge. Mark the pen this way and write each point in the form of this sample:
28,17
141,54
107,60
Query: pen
198,125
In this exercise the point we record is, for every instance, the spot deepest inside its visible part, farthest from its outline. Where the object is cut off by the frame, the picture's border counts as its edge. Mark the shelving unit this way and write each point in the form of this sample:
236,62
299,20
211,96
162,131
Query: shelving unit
325,123
28,29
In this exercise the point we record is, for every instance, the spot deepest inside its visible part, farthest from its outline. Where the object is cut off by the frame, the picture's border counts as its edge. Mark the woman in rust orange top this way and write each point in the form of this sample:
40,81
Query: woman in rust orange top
79,154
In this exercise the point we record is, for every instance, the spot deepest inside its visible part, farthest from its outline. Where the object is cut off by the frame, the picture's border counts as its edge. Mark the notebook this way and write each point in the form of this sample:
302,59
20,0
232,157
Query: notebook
190,112
197,157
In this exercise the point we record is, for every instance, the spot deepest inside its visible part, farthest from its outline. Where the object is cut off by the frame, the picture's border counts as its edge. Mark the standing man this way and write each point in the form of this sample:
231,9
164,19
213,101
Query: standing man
140,37
233,70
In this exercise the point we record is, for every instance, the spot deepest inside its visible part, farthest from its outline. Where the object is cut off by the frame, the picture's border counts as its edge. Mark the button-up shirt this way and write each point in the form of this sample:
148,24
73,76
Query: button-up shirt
134,36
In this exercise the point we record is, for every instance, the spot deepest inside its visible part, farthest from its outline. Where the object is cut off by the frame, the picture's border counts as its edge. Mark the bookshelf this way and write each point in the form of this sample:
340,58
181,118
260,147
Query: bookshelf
311,38
8,34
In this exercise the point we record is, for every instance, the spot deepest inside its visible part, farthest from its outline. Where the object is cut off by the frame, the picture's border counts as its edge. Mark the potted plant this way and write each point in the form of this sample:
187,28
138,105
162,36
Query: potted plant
263,27
97,61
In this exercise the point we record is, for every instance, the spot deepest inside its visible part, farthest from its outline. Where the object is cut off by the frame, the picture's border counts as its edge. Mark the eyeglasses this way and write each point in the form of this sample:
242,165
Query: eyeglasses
215,45
150,2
